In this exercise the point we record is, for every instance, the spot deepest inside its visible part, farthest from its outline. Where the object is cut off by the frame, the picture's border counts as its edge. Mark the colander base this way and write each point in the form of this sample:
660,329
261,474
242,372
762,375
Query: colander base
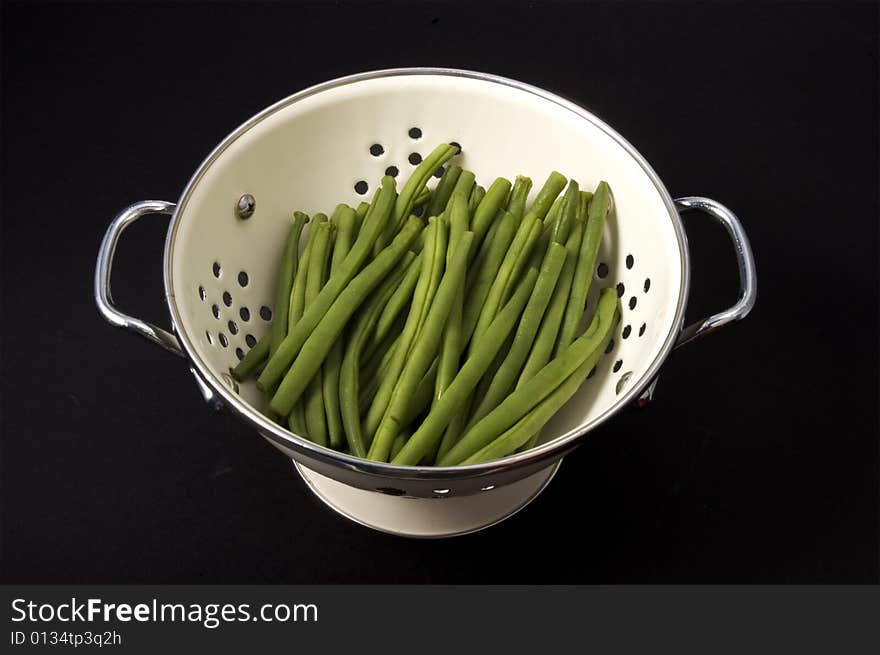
427,518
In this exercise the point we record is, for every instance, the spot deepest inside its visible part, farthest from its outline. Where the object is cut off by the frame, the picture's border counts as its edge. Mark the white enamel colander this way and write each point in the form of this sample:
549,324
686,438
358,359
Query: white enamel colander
332,143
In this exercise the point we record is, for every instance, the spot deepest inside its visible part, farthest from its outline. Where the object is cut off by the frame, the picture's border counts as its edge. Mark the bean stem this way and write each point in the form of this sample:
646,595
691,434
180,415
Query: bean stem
464,184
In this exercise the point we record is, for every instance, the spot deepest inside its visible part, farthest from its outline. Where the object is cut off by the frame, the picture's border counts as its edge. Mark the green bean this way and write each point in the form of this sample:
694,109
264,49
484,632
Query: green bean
422,396
552,216
450,349
458,224
403,206
465,184
519,433
366,396
485,383
478,262
295,312
486,380
424,439
600,205
542,348
433,261
554,184
567,212
477,195
399,442
516,203
374,224
443,191
374,381
419,245
398,301
297,421
298,289
487,212
515,258
522,261
546,338
252,359
488,272
349,372
423,198
346,222
316,425
562,223
361,211
583,206
422,353
289,266
420,401
319,341
539,387
510,368
454,430
377,357
313,407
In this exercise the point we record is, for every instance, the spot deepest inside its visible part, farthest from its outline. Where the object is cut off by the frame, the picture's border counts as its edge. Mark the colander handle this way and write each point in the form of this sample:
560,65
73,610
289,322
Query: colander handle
103,297
748,281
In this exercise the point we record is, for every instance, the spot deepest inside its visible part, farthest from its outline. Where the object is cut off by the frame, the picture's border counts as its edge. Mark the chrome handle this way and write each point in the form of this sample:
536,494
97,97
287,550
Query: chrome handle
748,281
103,297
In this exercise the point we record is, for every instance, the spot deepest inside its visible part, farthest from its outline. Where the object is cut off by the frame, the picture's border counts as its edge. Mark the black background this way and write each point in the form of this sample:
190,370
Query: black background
757,461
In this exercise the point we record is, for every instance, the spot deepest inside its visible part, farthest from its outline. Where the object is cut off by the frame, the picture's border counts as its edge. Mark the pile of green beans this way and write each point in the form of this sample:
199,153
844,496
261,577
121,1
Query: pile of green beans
436,325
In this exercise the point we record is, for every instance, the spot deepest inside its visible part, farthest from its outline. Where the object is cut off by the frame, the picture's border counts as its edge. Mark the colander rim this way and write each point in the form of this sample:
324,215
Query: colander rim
549,451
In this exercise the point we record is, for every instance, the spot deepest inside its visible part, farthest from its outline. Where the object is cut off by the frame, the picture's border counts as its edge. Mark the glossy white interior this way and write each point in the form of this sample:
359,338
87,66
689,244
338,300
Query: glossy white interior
309,154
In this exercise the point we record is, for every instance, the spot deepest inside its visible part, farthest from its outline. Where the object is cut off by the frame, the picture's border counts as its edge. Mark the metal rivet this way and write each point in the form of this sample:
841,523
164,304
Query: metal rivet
230,381
247,204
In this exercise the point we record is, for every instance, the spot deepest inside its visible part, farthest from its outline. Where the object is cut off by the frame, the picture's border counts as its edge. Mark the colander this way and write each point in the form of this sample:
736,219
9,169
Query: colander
332,143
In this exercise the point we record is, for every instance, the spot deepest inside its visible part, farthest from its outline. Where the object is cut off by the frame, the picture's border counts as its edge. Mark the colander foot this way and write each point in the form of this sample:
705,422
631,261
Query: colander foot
427,518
